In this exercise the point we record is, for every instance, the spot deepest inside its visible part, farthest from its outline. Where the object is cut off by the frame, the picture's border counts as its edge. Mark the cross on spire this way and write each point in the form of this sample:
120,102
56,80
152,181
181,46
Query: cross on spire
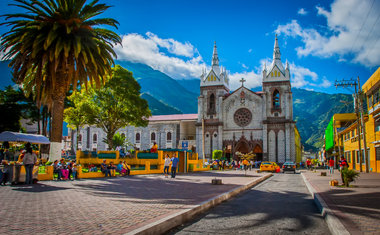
242,80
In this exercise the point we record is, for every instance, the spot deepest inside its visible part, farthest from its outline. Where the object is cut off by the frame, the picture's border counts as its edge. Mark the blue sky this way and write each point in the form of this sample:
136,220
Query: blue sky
322,40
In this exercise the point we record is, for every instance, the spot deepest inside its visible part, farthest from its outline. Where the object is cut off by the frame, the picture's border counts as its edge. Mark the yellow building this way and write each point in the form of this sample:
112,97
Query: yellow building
333,142
298,144
372,91
350,139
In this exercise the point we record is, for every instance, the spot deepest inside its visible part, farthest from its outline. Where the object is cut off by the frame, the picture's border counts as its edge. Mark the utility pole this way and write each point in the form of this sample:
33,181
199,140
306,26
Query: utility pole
346,83
360,100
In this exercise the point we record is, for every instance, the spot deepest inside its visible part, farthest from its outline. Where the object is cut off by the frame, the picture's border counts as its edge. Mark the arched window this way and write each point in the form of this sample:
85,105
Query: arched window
276,99
169,137
137,137
153,137
95,138
211,104
80,138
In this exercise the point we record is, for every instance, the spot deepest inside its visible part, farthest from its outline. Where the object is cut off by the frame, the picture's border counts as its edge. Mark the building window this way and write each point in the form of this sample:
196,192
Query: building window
80,138
370,97
95,138
357,156
169,137
349,157
137,137
375,98
243,117
211,104
153,137
276,99
377,125
377,153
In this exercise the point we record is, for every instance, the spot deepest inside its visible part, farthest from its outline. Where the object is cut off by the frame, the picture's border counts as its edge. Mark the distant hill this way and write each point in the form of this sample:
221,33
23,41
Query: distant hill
159,108
312,110
162,87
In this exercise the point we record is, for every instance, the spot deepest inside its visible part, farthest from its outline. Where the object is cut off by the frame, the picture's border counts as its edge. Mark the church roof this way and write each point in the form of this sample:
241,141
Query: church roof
174,117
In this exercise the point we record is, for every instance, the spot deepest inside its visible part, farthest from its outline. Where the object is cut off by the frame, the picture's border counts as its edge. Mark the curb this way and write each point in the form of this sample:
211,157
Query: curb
163,225
335,226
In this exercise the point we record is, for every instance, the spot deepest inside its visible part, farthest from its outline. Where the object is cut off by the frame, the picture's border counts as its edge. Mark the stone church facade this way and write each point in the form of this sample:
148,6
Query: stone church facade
238,121
245,121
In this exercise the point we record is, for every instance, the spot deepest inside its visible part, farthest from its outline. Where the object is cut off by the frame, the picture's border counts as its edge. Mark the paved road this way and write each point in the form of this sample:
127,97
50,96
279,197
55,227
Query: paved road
280,205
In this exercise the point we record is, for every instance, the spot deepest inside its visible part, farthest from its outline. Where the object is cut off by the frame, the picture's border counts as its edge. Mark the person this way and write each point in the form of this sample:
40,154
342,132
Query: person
342,165
64,170
331,165
167,165
57,169
70,168
120,169
127,168
4,174
74,171
308,164
104,169
29,161
111,167
175,162
21,156
154,148
245,164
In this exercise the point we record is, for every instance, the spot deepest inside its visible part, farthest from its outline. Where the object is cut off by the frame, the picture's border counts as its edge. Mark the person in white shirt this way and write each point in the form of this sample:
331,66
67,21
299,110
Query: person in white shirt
167,165
29,161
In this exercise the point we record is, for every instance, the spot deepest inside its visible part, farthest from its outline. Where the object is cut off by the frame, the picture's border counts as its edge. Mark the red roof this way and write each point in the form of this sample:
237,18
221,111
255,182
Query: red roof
174,117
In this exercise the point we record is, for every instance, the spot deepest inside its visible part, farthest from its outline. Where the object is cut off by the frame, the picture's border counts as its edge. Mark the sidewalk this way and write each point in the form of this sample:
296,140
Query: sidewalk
114,205
357,208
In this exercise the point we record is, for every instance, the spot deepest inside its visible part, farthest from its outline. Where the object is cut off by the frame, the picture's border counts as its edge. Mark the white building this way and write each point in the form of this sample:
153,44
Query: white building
238,121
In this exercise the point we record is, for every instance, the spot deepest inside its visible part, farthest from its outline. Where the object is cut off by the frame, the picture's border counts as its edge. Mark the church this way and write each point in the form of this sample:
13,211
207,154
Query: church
235,121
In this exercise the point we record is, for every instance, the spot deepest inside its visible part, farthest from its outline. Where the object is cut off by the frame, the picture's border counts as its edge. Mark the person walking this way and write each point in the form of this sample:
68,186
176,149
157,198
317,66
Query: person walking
175,162
29,161
331,165
343,164
167,165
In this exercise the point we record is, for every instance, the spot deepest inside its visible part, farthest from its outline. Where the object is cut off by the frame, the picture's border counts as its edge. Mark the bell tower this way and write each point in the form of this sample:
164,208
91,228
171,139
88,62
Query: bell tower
278,122
214,85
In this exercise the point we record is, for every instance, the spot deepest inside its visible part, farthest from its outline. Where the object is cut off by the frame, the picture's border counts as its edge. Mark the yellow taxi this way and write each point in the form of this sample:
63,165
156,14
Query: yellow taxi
269,166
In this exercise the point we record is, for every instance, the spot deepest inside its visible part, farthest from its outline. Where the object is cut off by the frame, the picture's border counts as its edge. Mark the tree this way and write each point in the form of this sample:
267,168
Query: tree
74,116
54,44
115,105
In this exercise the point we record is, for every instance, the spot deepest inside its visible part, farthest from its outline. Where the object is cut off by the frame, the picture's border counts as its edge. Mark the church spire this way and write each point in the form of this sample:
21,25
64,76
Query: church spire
215,59
276,50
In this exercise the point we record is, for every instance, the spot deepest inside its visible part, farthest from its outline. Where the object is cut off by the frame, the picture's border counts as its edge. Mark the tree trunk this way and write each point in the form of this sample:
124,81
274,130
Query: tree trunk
57,122
110,135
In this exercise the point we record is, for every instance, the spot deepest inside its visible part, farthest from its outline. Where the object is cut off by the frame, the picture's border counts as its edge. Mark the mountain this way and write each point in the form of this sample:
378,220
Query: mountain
159,108
162,87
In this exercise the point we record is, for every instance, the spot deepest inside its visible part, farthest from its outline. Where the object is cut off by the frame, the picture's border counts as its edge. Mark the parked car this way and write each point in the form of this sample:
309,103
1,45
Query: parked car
289,166
269,166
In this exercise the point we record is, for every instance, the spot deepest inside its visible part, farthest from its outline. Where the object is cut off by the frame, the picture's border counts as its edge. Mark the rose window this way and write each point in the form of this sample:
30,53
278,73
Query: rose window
242,117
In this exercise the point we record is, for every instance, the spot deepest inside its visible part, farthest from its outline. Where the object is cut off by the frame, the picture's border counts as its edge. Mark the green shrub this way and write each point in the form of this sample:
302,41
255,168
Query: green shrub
217,154
349,176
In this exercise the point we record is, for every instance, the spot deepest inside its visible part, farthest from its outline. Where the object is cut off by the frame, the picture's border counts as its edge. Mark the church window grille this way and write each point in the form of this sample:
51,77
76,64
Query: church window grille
243,117
153,137
276,99
95,138
215,135
137,137
169,137
275,73
207,135
211,104
80,138
271,74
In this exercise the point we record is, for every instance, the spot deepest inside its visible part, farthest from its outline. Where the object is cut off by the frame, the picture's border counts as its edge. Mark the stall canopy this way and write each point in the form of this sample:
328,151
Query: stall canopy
21,137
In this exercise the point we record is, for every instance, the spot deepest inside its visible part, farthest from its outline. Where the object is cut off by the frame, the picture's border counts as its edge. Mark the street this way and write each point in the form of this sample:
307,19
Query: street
279,205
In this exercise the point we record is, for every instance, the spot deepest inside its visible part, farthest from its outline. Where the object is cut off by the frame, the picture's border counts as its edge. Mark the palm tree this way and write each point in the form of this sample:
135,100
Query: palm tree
57,43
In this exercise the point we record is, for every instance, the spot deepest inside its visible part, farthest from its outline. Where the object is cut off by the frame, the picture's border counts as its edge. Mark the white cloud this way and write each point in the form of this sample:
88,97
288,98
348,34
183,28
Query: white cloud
244,66
353,30
250,50
253,79
150,50
302,11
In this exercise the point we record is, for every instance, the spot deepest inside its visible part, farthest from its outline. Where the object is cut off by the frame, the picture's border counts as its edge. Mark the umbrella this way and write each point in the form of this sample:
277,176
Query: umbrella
21,137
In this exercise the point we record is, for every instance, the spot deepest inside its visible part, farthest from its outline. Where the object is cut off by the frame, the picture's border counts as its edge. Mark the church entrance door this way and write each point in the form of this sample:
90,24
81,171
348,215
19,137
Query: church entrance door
258,151
242,147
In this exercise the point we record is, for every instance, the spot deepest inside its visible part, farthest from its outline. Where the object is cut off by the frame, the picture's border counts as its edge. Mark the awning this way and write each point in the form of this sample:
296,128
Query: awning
21,137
